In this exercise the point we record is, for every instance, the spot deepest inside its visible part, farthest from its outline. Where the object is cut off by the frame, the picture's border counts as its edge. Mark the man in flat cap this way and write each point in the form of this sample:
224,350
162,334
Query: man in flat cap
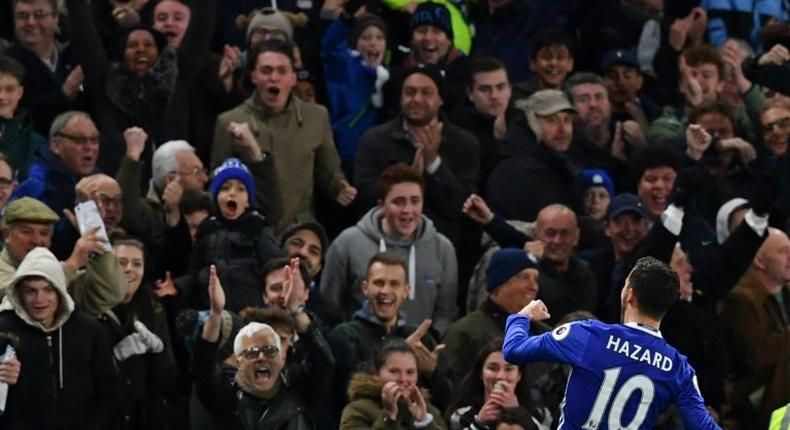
539,172
94,277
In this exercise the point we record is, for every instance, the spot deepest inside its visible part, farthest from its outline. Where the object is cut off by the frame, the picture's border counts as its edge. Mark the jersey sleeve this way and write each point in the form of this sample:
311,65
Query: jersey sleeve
565,344
691,405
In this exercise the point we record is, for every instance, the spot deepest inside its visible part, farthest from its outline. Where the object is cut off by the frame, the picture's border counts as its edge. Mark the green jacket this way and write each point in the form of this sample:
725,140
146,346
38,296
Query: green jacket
747,120
96,289
365,411
299,154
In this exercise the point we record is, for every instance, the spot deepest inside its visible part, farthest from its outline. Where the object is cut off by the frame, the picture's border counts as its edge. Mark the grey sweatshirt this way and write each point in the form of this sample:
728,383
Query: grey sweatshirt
434,272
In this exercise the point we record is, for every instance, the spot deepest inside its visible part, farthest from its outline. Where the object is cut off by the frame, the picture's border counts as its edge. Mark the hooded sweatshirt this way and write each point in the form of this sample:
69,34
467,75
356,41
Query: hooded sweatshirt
71,381
429,256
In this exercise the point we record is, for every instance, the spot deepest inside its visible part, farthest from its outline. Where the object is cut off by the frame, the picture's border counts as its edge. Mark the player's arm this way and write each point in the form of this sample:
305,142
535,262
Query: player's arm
521,348
692,407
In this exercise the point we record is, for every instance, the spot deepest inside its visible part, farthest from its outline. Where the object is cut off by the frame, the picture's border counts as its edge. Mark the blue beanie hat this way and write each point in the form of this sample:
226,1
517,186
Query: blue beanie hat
507,263
232,168
597,178
434,14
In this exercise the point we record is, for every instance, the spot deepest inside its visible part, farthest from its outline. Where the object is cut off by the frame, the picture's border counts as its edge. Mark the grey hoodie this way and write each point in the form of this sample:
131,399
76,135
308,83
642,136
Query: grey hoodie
40,262
430,257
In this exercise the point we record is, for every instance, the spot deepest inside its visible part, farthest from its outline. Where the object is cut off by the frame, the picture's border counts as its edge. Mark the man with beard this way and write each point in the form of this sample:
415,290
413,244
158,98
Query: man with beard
257,398
277,135
600,142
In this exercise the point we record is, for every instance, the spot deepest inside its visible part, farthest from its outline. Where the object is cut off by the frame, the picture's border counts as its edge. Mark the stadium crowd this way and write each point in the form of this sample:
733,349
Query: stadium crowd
305,214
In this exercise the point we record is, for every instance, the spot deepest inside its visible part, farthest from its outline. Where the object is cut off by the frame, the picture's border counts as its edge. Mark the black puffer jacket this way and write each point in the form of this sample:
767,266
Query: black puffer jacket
239,249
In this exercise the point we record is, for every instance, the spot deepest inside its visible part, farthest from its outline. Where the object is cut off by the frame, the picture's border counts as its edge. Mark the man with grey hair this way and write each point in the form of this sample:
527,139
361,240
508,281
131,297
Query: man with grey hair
539,173
72,154
258,398
175,167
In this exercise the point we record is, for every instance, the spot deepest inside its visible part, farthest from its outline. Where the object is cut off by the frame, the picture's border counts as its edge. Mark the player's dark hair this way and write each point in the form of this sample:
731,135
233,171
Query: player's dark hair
655,285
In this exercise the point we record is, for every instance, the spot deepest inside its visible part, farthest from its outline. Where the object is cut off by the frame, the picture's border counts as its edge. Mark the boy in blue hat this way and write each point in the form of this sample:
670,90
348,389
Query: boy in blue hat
237,239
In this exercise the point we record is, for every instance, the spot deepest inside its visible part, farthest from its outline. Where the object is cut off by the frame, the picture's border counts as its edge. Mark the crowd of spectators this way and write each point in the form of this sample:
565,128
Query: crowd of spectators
305,214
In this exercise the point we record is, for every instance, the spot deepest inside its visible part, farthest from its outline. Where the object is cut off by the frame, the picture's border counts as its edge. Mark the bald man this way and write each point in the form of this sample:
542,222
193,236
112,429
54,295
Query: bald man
566,282
755,316
106,192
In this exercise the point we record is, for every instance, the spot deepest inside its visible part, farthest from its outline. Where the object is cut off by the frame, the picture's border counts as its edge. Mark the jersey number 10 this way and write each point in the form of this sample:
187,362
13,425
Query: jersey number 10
636,382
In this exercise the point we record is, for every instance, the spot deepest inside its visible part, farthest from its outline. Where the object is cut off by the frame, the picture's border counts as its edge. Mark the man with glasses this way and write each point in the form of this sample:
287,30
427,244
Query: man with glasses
105,191
53,79
257,397
72,154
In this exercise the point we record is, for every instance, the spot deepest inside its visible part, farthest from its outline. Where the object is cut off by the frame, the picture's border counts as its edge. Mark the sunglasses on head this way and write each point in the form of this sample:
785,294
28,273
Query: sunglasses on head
253,352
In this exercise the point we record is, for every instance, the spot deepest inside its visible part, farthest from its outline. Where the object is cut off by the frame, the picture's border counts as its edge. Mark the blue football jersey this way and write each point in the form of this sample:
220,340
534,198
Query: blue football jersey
623,375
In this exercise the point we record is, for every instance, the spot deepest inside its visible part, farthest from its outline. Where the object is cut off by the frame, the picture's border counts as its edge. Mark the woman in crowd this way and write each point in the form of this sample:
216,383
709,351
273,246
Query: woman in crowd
142,349
388,395
492,386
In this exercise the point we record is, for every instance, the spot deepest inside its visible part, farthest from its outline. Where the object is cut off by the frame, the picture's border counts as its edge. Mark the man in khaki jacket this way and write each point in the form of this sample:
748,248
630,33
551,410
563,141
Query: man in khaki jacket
95,283
286,143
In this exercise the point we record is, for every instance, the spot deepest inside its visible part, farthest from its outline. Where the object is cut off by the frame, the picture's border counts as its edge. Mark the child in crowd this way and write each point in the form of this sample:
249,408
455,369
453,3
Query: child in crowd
238,240
354,51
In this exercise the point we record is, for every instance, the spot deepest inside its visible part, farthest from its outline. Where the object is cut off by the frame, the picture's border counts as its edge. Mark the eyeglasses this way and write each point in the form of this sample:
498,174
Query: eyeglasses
783,123
82,140
37,15
194,171
106,200
253,352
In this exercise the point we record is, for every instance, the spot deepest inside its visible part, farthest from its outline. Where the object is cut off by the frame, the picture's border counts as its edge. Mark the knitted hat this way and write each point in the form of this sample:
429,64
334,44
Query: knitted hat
232,168
435,14
362,24
436,74
597,178
271,18
507,263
